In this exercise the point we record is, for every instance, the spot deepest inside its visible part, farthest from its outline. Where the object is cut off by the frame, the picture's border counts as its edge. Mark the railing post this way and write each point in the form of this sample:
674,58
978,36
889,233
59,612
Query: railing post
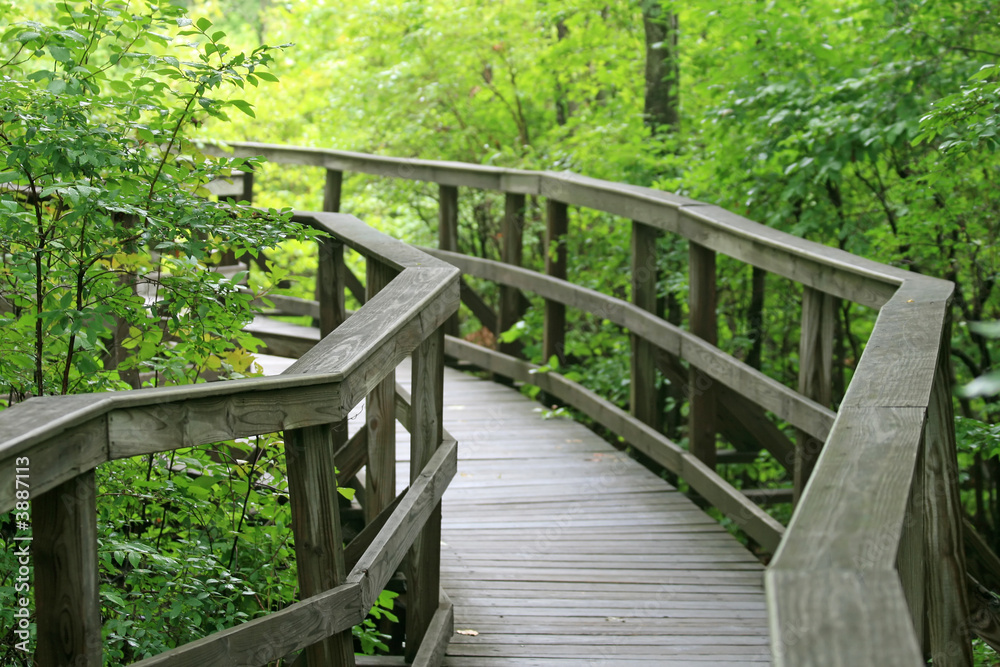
319,549
701,306
815,374
380,417
64,553
644,399
330,285
423,571
448,235
755,316
330,275
332,191
946,601
556,227
511,253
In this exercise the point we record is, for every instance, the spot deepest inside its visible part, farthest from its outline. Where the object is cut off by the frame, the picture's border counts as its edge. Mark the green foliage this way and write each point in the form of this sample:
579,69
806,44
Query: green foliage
96,107
105,241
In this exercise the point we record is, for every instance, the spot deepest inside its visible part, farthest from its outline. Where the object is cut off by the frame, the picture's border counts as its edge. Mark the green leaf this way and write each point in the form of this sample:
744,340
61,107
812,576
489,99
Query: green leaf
244,106
203,24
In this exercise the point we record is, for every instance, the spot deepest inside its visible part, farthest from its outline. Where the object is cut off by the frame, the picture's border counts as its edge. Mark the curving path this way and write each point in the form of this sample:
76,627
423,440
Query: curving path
559,550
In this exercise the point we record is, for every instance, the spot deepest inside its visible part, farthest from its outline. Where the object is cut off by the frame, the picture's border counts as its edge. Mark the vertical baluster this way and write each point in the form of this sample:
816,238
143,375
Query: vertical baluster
557,225
330,276
423,572
330,285
645,399
946,600
448,235
380,417
247,185
910,558
755,316
319,552
64,553
332,191
702,305
512,251
815,374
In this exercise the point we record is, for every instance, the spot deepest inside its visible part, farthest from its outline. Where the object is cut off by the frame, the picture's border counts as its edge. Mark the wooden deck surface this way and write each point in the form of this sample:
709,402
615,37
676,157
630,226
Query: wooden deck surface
559,550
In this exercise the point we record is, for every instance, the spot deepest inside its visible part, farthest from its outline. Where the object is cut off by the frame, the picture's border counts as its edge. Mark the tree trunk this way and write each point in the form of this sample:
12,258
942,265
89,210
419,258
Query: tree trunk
662,109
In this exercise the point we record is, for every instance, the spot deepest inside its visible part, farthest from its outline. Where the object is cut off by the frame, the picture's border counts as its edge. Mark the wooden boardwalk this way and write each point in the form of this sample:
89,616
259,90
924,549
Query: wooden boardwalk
558,550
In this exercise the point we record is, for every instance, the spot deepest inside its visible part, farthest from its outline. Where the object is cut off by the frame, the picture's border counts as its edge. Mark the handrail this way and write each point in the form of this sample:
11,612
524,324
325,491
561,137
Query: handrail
879,514
67,437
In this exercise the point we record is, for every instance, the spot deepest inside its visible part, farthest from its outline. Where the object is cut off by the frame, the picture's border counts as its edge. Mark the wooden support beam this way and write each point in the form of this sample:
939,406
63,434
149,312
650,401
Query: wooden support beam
644,396
946,599
511,253
701,306
332,191
815,374
64,553
423,571
755,316
557,225
319,551
482,310
330,280
448,235
380,418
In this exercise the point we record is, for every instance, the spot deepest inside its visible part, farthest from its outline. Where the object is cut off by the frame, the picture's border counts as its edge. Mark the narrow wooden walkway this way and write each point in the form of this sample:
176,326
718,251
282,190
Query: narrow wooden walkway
559,550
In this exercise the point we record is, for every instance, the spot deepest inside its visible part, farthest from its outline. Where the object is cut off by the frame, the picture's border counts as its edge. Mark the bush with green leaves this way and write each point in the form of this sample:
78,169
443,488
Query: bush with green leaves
106,241
104,229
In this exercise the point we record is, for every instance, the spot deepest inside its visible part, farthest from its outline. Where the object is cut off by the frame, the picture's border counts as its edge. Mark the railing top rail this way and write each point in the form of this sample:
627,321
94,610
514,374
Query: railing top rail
840,555
322,386
829,269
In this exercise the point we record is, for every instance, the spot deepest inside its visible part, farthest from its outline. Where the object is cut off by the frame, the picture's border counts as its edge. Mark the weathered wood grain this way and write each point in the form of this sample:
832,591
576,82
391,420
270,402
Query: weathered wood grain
64,554
643,394
330,279
834,617
402,527
448,234
701,394
512,253
319,552
423,570
821,267
445,173
380,419
946,601
815,373
57,460
480,309
332,190
770,394
757,523
556,228
439,633
271,637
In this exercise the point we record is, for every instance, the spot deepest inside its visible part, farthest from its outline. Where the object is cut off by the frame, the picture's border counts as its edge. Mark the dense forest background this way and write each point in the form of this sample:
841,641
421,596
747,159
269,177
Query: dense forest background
869,125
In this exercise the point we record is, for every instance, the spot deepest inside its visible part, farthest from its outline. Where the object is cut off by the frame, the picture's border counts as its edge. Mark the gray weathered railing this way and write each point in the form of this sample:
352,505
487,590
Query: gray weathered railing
870,570
63,440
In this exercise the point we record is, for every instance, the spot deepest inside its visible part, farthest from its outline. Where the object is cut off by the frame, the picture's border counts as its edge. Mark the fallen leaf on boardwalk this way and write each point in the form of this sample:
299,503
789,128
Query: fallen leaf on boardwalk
471,633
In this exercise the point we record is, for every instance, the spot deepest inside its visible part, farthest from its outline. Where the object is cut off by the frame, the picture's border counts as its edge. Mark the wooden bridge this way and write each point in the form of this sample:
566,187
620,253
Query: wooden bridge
552,547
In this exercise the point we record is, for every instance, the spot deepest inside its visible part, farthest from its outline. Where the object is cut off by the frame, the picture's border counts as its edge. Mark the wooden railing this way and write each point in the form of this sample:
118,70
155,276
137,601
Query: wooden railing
63,439
871,569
